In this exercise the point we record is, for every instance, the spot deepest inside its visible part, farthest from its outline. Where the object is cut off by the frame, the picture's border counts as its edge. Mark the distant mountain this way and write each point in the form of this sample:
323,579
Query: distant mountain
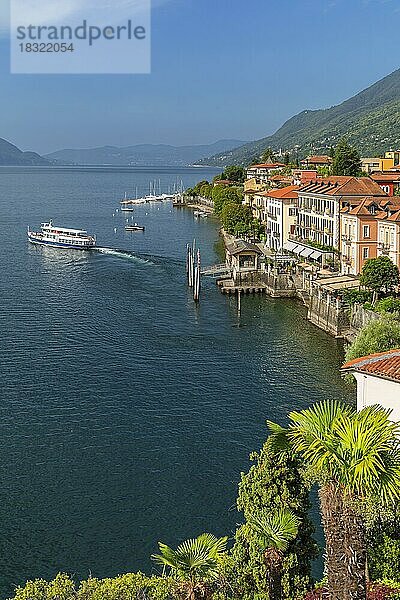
10,155
370,120
142,155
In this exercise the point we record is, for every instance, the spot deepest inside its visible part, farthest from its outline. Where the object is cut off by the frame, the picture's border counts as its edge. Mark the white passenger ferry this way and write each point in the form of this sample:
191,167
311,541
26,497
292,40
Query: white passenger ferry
60,237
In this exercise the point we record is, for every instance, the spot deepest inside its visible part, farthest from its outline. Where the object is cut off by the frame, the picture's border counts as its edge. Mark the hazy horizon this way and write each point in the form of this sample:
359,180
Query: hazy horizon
219,71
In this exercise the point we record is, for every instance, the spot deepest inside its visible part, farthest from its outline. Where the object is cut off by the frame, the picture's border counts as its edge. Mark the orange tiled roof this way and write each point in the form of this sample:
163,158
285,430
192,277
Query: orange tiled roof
344,186
385,177
321,159
288,192
382,364
267,166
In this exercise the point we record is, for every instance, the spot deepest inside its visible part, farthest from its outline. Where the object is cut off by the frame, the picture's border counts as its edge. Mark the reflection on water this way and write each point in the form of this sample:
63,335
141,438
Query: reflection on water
127,412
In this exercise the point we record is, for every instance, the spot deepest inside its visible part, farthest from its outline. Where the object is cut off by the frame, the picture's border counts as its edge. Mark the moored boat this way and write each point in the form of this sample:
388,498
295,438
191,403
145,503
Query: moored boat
62,237
134,227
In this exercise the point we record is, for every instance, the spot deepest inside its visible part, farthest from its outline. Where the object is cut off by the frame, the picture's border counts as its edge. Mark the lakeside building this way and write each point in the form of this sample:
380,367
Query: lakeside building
263,171
277,210
314,162
319,205
389,181
242,257
394,154
369,228
303,176
389,233
373,164
378,380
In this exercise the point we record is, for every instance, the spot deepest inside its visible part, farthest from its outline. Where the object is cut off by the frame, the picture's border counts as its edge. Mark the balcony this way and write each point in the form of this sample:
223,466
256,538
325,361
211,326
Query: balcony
384,246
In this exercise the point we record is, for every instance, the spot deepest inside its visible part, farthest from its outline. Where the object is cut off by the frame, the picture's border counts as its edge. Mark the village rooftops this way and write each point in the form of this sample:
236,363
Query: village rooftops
363,205
267,166
286,193
383,364
343,186
323,159
378,176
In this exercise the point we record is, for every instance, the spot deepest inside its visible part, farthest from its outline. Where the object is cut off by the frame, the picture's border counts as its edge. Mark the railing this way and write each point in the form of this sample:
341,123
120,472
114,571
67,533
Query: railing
216,269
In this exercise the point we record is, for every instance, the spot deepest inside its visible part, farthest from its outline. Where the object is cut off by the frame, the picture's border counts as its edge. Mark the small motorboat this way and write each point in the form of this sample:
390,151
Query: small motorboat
134,227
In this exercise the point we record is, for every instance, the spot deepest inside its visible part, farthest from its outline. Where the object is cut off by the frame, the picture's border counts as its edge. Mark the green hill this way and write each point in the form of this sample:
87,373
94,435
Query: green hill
370,120
12,156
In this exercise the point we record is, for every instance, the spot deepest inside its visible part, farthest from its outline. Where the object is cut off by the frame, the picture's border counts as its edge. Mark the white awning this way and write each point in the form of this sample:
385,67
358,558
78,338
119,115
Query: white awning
315,255
307,252
289,246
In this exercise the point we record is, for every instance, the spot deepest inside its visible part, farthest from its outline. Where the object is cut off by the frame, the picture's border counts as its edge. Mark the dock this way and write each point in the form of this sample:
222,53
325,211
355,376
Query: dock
228,286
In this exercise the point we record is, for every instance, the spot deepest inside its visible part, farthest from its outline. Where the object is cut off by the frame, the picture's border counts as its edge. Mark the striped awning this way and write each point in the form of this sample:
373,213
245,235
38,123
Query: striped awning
289,246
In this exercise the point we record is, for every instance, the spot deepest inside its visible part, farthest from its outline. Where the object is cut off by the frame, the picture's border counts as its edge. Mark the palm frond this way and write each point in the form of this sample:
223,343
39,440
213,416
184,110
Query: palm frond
194,559
275,530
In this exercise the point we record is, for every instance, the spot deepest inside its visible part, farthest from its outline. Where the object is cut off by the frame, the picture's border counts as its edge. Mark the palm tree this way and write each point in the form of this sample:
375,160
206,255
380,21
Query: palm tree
274,533
195,564
355,459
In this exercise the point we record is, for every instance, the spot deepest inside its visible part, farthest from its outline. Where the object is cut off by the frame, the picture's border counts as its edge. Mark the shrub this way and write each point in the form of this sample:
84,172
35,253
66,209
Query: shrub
130,586
357,296
388,305
376,591
377,336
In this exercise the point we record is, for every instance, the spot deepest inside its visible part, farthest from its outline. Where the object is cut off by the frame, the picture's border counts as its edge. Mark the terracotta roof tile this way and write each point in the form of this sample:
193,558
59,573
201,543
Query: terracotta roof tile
385,177
344,186
382,364
289,191
267,166
322,159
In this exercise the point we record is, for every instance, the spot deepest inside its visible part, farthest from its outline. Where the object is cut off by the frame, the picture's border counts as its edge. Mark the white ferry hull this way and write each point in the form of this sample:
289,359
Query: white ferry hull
57,237
58,244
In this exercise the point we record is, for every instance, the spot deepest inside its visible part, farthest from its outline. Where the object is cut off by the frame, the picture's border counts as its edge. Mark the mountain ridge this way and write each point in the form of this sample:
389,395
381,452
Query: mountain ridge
11,155
141,154
370,120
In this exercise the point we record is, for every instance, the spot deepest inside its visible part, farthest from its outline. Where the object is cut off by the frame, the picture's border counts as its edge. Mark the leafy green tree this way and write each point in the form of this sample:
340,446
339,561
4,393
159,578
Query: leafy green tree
236,216
346,160
234,173
275,482
354,457
274,532
380,274
198,186
206,190
223,195
377,336
194,564
268,155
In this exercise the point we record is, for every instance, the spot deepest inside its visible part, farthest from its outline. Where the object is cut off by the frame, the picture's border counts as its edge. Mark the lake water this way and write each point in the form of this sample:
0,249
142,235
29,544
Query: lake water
127,413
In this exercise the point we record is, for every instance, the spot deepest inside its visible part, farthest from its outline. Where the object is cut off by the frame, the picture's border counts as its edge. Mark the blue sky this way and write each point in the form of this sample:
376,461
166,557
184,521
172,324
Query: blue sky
220,69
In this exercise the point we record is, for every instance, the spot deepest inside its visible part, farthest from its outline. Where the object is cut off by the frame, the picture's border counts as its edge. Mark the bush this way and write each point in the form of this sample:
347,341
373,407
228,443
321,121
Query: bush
376,591
388,305
357,296
124,587
377,336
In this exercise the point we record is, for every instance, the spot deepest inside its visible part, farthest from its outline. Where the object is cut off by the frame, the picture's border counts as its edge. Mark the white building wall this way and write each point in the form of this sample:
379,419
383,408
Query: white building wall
375,390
